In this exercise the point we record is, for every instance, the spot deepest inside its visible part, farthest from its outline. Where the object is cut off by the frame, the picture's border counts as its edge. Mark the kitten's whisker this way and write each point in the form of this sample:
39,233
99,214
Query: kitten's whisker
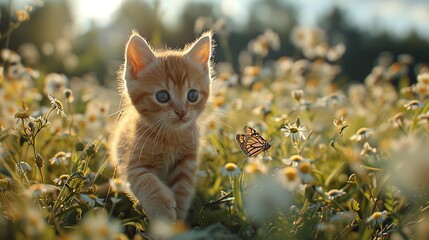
130,136
149,128
158,136
155,126
119,111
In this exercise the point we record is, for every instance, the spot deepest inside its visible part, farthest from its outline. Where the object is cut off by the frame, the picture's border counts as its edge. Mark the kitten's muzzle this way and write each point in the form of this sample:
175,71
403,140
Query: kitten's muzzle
180,114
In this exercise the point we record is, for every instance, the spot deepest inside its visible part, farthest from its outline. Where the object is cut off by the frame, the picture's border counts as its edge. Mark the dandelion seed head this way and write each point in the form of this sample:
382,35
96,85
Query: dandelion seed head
55,84
68,93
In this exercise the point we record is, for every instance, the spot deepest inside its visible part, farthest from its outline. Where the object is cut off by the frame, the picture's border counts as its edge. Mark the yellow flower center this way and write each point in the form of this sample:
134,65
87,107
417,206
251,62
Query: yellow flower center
59,105
293,129
305,167
257,86
219,101
230,167
11,110
92,118
251,168
361,131
104,231
290,173
296,158
179,227
377,215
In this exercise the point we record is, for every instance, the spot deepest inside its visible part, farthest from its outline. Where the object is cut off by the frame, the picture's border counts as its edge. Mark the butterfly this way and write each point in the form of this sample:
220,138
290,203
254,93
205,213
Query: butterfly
252,143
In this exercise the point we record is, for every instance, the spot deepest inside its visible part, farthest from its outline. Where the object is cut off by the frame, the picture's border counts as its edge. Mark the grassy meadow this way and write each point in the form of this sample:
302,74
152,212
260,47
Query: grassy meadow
347,161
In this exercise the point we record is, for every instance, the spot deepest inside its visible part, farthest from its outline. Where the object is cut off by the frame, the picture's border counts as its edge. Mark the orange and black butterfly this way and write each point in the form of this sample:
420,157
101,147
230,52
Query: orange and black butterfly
252,143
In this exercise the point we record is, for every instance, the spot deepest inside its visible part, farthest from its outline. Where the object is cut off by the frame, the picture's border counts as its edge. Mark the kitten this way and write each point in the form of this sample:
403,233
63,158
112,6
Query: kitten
155,143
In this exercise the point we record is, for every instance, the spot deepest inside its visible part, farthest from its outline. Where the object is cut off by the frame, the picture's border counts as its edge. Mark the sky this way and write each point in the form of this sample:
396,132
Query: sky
398,17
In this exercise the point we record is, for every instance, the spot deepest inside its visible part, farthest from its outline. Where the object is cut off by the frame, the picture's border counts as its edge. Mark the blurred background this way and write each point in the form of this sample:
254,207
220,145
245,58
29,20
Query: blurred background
78,37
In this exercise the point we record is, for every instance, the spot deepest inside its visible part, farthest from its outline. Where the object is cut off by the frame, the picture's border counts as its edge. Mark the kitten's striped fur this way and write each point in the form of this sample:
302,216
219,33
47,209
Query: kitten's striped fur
155,144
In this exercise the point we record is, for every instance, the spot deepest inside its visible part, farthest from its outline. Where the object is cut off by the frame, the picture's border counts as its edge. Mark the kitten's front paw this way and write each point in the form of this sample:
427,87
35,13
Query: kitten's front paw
163,207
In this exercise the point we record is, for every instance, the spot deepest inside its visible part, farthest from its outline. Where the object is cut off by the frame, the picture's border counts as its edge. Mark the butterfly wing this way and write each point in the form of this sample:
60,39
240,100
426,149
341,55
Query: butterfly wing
252,143
241,140
255,145
250,131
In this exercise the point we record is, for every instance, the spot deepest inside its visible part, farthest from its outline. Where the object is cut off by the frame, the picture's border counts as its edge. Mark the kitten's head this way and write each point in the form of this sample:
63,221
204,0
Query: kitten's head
168,87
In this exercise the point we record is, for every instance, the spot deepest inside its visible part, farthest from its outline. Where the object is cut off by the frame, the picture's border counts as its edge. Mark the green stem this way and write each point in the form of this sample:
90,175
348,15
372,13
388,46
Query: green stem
71,116
10,25
41,175
238,200
113,205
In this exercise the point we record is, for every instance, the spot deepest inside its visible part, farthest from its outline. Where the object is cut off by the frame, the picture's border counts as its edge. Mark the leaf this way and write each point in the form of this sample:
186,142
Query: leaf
298,122
309,192
353,205
238,200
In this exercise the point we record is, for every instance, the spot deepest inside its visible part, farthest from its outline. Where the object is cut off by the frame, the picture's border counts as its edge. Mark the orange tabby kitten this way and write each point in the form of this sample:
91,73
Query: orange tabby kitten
156,141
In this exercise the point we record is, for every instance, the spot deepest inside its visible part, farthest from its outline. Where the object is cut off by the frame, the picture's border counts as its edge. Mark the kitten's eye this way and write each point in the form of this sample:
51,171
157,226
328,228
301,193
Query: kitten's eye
162,96
193,95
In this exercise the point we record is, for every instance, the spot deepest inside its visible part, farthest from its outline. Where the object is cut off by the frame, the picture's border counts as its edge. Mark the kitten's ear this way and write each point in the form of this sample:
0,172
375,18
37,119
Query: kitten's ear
138,55
200,52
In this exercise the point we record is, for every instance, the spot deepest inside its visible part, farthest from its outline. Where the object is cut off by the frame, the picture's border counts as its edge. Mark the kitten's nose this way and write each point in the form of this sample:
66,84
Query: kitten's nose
180,113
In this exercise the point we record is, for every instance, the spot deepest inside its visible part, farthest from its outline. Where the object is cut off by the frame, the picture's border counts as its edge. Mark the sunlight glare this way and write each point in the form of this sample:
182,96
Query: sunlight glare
98,11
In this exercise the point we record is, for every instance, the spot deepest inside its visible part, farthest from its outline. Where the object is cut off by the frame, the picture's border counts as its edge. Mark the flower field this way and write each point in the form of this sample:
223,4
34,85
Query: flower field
333,160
